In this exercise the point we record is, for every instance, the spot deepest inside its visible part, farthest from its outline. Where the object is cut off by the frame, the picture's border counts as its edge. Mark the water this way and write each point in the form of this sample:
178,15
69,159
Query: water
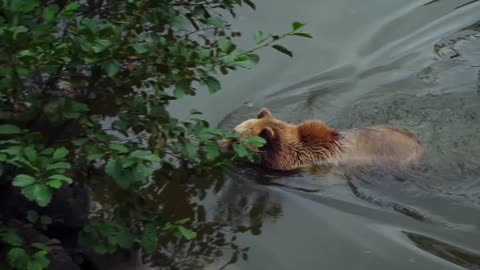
414,64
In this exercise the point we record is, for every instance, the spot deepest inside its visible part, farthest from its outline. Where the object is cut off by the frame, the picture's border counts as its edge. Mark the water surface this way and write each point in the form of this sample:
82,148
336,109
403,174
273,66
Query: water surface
414,64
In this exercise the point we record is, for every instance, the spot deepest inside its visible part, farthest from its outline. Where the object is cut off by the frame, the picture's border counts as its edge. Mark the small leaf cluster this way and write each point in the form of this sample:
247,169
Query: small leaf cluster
21,256
179,230
42,169
106,237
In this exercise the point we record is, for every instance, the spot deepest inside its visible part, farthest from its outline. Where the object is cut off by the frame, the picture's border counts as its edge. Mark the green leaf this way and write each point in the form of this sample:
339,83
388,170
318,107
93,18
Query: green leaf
195,111
253,58
42,194
101,45
9,129
12,151
149,239
41,246
71,115
45,220
180,22
212,84
186,233
282,49
72,7
28,192
216,21
32,216
26,53
101,249
18,258
256,141
204,53
214,131
78,107
190,151
139,154
18,30
30,153
9,142
142,172
297,25
39,261
250,4
118,147
60,153
247,61
61,178
168,226
55,183
128,163
259,37
240,150
47,151
23,163
302,34
26,5
94,157
212,152
23,180
122,177
224,44
48,14
182,221
230,59
80,141
73,109
139,48
59,166
112,68
153,158
179,91
91,24
125,238
10,236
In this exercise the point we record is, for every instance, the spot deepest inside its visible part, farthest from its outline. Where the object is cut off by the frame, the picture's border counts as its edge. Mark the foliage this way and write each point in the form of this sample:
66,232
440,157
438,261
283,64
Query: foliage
84,87
20,256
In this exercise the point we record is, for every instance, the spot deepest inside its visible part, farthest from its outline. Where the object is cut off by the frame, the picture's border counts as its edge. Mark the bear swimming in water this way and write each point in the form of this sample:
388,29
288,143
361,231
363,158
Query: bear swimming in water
313,143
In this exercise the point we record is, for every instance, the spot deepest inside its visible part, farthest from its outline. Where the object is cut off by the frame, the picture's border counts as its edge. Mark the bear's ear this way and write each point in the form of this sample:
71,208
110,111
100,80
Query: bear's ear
264,113
267,133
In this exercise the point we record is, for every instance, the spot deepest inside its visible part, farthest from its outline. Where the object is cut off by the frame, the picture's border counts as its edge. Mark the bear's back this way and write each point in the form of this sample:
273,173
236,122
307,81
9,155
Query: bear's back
382,145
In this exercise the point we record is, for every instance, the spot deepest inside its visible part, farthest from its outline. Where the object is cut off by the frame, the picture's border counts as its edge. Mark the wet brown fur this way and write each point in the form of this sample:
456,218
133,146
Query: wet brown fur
313,143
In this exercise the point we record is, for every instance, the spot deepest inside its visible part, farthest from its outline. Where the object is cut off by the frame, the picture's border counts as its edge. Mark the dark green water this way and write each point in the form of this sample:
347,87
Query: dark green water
415,64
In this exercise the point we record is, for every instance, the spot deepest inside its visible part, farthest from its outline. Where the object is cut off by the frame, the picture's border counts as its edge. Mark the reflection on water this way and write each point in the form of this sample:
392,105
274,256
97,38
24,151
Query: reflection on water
237,208
449,252
246,208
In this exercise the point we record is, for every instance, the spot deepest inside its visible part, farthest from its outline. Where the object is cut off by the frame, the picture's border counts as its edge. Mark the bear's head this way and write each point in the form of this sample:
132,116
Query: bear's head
267,127
288,146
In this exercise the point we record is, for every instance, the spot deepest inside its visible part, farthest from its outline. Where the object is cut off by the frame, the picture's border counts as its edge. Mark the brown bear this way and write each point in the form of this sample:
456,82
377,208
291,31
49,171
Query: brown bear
313,143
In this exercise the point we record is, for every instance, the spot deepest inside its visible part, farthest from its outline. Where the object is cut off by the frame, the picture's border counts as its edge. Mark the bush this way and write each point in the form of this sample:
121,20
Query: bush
84,87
